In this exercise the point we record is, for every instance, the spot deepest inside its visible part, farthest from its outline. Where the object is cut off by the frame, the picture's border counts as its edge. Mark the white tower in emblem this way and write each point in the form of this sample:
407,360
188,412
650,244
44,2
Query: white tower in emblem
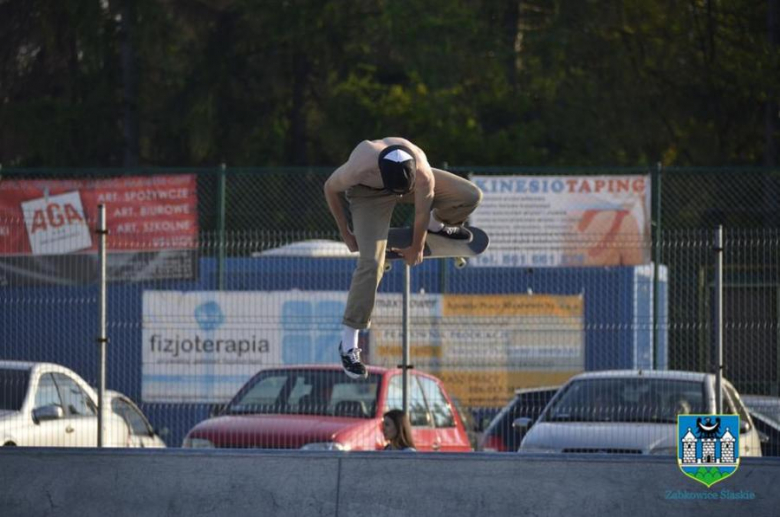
708,451
727,447
689,447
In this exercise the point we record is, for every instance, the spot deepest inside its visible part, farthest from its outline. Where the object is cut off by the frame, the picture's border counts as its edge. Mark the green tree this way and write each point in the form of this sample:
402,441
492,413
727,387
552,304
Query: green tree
300,82
58,103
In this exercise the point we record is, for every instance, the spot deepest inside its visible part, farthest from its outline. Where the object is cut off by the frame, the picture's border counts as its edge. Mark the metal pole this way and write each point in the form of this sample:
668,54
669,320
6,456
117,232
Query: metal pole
405,352
221,194
776,386
719,319
102,339
656,185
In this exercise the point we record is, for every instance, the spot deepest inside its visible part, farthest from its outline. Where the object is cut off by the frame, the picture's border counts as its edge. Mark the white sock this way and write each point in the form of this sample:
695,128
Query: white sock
349,339
434,225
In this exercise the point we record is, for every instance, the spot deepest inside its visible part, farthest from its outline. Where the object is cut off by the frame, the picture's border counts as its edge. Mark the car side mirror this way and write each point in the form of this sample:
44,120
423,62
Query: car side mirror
744,426
522,424
51,412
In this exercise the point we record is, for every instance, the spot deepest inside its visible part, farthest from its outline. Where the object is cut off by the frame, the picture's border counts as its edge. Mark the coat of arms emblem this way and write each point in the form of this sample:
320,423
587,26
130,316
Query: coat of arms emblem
708,446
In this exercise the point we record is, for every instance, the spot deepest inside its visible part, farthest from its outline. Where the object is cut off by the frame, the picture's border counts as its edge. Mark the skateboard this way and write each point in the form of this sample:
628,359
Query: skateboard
437,246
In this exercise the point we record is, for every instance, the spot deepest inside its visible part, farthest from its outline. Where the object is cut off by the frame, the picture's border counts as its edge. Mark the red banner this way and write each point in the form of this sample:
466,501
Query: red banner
143,213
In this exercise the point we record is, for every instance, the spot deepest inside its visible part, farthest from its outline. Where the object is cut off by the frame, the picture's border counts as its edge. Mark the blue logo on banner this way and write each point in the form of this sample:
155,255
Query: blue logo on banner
209,316
312,330
708,446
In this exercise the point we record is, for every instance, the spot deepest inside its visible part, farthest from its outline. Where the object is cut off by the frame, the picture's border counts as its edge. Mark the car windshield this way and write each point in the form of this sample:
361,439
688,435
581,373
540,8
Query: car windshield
13,387
627,400
767,410
307,392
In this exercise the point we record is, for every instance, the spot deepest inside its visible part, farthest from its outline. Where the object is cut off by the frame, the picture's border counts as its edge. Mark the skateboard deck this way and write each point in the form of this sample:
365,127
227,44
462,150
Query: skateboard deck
437,246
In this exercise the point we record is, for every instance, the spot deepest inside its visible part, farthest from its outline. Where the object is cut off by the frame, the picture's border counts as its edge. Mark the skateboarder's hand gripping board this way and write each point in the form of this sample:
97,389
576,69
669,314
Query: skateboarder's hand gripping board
411,256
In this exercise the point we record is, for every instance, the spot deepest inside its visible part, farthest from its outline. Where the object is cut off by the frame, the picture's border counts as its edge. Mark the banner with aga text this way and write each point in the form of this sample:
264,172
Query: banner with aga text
47,228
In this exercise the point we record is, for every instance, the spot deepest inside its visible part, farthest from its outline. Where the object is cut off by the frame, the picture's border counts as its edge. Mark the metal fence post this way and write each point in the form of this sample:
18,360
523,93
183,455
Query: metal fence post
102,339
656,186
221,195
718,249
405,352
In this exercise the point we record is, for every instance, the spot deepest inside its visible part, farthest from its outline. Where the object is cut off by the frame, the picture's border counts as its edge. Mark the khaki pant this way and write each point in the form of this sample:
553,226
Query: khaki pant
454,198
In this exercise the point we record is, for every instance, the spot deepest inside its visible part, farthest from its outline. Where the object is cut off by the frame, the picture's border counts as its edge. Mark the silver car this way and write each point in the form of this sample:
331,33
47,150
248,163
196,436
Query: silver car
631,412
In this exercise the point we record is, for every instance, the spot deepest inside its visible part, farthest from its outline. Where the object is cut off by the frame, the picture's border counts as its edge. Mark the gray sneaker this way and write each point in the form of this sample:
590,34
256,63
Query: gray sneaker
457,233
350,361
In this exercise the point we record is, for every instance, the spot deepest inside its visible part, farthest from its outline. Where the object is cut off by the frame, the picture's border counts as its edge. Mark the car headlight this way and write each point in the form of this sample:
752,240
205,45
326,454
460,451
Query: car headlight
664,451
325,446
197,443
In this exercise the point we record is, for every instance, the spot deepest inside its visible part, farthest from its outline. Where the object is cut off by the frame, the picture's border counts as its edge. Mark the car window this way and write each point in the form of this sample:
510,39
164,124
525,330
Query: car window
302,387
135,421
418,412
316,394
530,404
526,404
768,408
263,392
440,409
75,401
13,388
364,393
628,399
46,394
308,392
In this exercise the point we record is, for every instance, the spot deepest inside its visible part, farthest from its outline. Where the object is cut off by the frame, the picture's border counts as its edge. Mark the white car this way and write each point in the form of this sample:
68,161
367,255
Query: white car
48,405
631,412
138,431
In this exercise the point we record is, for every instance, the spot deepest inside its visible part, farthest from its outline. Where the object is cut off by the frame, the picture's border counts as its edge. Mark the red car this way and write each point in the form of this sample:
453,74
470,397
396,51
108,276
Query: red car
320,408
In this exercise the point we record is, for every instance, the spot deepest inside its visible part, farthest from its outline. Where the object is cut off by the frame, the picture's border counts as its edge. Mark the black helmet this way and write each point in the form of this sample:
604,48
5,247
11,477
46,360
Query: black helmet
398,168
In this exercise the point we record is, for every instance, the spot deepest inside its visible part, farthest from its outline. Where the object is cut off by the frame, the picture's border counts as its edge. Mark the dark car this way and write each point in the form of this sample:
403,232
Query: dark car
765,411
320,408
501,435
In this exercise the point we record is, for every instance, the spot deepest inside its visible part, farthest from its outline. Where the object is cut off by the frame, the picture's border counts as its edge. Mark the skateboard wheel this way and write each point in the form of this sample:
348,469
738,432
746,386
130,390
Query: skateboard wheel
460,262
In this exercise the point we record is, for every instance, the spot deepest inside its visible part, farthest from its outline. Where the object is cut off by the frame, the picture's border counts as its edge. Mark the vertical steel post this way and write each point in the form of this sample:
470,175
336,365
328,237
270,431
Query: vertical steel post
718,249
221,195
776,386
405,352
102,339
656,185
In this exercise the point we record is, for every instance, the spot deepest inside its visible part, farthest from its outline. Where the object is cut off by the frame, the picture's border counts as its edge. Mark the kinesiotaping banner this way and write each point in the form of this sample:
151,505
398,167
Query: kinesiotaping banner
570,221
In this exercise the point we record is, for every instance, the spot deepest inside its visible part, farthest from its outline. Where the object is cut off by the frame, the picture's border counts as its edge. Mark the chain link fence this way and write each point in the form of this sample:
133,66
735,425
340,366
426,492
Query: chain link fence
224,283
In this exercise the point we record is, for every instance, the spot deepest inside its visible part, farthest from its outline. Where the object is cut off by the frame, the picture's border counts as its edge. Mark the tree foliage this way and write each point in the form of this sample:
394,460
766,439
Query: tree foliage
474,82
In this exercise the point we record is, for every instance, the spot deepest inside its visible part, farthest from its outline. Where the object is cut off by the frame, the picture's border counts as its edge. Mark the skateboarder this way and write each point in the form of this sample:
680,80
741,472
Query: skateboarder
377,175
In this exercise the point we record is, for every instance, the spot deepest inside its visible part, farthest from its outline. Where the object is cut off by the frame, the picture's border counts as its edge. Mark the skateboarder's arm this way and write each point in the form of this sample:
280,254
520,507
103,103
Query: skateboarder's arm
341,179
423,199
